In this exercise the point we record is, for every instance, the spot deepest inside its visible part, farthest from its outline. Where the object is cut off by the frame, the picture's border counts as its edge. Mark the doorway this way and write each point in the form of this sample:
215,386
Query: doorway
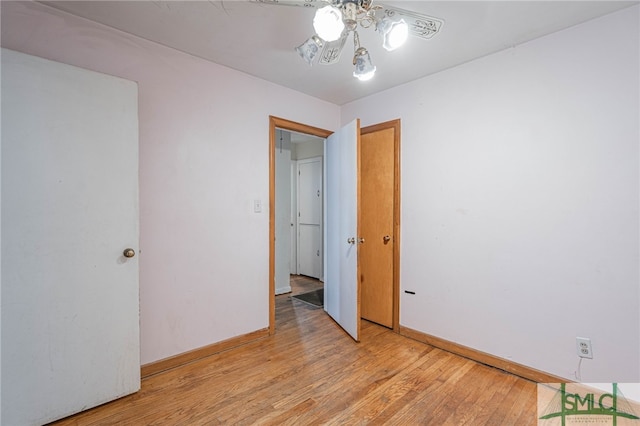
279,271
382,139
298,208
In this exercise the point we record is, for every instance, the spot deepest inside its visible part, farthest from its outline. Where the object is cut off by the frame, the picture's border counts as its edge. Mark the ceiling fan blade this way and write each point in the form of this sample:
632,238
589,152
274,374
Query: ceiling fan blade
420,25
302,3
331,50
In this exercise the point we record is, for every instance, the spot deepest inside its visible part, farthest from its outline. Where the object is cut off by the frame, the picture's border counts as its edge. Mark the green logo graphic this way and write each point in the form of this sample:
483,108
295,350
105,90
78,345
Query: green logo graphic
565,404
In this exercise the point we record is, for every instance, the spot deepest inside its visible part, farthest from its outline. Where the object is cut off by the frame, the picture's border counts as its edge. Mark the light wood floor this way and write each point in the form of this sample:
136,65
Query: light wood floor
311,372
301,284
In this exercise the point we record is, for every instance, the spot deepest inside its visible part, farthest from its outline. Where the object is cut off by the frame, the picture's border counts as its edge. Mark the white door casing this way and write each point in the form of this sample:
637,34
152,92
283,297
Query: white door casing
70,312
341,299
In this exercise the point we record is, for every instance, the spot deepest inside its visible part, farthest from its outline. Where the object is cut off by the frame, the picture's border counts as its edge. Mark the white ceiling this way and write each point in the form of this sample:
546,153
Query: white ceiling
259,38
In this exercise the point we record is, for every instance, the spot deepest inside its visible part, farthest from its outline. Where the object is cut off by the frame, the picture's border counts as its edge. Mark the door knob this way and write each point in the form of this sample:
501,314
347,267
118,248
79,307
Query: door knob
386,239
129,252
351,240
360,240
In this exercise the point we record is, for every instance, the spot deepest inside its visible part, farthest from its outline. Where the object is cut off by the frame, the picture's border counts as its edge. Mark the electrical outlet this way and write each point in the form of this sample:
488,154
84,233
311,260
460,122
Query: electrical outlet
583,347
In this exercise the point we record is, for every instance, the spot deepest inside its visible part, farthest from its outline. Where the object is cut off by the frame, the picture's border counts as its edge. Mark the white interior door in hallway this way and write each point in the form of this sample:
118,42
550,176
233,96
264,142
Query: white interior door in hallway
293,270
70,322
310,196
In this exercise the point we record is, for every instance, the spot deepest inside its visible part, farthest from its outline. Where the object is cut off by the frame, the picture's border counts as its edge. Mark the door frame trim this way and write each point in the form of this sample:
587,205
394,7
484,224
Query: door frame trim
284,124
395,125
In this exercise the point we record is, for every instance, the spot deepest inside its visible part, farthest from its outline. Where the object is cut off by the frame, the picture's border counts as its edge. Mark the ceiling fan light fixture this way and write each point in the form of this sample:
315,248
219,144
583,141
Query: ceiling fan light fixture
395,33
328,23
338,19
310,48
365,69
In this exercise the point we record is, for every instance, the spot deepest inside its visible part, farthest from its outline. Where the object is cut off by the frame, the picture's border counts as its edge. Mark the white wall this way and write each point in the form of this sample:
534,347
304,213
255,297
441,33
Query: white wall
309,149
283,218
204,252
520,200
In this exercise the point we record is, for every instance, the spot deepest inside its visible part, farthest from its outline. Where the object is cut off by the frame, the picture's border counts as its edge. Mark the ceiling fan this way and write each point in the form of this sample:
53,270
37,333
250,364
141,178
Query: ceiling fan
336,19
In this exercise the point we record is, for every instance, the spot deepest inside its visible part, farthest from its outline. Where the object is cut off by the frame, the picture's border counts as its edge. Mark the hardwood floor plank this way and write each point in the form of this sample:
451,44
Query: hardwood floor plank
478,393
478,411
405,382
514,403
311,372
442,391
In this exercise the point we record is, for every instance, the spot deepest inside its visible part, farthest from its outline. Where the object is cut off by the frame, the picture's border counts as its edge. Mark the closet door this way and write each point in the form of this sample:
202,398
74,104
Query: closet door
70,322
310,195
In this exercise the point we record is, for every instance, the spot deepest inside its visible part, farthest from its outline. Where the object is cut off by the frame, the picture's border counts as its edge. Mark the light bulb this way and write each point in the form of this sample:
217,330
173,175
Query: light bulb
365,69
328,23
395,33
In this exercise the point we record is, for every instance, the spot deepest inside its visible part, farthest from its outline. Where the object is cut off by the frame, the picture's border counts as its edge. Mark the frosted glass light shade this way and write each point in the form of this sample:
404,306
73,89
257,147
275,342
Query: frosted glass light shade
328,23
395,33
364,67
309,49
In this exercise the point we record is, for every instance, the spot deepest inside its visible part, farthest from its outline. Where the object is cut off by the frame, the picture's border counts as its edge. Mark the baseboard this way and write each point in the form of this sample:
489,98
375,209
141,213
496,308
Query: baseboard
199,353
483,357
283,290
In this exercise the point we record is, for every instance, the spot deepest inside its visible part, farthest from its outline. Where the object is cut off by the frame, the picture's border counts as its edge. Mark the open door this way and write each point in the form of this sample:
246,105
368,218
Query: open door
342,291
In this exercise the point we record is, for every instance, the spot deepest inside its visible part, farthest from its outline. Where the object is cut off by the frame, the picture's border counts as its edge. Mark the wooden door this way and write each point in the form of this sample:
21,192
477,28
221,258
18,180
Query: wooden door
379,153
70,323
342,290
